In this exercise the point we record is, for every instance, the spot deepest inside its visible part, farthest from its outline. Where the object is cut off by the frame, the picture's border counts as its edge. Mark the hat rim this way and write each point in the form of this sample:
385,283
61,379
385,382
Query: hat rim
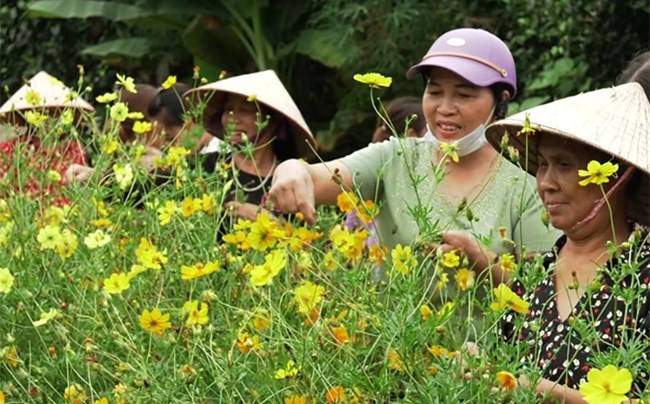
527,158
301,134
9,110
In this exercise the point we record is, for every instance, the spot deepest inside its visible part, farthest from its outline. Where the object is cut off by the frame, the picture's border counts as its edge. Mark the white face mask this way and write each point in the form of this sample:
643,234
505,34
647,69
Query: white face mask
468,144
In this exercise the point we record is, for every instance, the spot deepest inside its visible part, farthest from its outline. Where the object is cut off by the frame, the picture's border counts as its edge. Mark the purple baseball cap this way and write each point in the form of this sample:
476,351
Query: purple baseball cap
474,54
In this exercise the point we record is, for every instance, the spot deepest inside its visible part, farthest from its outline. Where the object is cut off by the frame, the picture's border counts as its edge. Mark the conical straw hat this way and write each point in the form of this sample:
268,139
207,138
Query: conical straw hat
268,91
613,120
51,92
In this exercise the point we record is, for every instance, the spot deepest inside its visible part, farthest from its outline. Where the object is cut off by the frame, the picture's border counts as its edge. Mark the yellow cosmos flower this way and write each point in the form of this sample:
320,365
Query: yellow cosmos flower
116,283
274,262
35,118
119,112
264,233
374,80
49,237
367,210
74,393
197,314
136,270
68,244
189,206
247,343
395,361
307,296
142,127
149,256
33,98
97,239
199,270
127,83
506,298
450,259
464,279
261,320
451,150
597,173
607,386
507,262
53,175
154,321
6,280
135,115
289,371
46,317
335,395
123,175
109,144
425,312
340,334
169,82
106,98
403,259
294,399
166,212
347,201
506,380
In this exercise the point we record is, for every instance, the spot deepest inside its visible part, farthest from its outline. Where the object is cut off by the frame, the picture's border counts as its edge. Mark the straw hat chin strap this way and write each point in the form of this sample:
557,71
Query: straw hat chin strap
601,201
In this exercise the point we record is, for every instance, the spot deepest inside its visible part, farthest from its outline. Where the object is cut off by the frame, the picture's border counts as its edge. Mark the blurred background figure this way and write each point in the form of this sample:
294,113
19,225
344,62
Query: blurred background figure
255,114
38,150
400,111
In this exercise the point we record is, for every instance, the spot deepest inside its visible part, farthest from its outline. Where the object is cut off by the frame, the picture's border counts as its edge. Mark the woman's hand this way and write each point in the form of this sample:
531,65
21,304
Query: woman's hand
293,189
77,173
148,159
243,210
479,257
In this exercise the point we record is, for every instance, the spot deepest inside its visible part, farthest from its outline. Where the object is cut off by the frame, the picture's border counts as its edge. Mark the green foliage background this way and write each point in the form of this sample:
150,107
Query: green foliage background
561,46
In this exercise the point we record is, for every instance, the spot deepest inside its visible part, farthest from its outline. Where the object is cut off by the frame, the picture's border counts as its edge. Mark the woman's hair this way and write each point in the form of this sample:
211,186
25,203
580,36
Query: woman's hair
168,105
401,109
501,105
638,71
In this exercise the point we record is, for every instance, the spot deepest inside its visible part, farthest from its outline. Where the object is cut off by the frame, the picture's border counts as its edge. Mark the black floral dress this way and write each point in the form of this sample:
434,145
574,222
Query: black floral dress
601,320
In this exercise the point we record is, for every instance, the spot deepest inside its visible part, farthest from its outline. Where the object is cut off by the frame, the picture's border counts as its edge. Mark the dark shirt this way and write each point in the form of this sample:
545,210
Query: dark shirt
564,349
249,191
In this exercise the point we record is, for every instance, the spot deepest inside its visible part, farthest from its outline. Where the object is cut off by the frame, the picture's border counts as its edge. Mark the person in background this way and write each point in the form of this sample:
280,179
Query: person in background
400,111
253,110
591,158
469,76
34,161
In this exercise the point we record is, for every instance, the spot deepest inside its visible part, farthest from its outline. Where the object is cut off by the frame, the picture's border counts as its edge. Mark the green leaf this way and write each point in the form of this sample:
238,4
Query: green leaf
85,9
131,47
325,47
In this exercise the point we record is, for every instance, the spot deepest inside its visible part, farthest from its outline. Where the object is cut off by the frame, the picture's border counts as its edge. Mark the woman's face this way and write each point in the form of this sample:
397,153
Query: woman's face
566,201
240,117
454,107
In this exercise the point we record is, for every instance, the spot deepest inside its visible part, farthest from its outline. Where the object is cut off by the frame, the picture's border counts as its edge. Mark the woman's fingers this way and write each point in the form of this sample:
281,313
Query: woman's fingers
293,189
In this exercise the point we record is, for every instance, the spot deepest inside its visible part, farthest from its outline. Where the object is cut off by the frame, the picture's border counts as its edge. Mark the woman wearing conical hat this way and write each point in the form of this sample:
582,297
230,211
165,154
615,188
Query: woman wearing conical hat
33,161
254,112
591,156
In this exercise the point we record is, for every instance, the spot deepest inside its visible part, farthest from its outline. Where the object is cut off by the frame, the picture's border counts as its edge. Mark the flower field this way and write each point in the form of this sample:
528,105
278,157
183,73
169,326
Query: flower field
125,289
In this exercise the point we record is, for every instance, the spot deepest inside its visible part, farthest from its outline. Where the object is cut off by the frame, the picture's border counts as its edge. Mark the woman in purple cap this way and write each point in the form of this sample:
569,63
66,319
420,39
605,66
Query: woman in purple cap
469,77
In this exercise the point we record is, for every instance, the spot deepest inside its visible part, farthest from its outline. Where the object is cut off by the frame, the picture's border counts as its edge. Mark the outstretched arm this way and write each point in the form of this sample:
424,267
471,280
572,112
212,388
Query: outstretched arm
299,187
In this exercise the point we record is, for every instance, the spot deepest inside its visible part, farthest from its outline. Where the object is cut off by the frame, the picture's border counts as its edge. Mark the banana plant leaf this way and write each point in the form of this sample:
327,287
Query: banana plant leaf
85,9
131,48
